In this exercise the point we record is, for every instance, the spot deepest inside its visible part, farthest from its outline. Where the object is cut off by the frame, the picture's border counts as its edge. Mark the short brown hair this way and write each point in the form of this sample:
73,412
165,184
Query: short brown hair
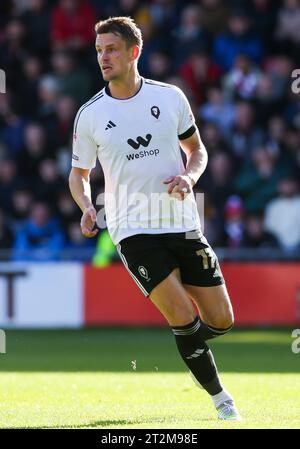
125,27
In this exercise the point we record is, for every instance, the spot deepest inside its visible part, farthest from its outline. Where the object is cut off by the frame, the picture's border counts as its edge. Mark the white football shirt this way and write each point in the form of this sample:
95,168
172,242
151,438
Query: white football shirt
137,143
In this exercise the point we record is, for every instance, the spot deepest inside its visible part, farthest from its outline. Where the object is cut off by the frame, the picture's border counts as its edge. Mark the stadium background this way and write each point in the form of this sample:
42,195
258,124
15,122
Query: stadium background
234,60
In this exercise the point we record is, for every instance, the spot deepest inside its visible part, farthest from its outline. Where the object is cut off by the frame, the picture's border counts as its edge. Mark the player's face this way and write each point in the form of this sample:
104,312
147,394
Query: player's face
114,58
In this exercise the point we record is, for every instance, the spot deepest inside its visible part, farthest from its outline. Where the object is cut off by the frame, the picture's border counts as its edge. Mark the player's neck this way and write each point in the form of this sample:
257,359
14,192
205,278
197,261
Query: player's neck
123,89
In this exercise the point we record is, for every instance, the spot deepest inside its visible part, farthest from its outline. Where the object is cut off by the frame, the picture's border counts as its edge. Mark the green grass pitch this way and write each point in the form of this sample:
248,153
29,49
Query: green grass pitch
133,378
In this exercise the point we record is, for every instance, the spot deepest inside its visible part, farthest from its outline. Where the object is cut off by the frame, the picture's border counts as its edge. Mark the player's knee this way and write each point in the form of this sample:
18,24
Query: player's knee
228,321
224,321
181,316
225,325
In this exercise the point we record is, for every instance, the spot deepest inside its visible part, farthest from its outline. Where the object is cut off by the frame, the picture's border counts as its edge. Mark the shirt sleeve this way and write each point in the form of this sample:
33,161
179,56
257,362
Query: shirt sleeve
84,153
186,122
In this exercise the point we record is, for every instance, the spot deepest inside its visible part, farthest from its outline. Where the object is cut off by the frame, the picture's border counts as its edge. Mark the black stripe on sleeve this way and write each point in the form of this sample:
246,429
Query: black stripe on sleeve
100,95
187,133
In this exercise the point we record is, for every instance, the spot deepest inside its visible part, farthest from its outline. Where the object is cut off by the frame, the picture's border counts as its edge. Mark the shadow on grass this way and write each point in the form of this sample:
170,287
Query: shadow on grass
150,349
102,424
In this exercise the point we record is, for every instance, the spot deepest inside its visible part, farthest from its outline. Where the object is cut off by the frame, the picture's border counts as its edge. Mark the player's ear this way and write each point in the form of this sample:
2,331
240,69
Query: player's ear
135,52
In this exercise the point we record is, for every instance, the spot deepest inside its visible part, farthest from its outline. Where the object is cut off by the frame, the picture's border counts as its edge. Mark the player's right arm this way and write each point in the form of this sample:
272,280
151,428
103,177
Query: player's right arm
83,160
80,188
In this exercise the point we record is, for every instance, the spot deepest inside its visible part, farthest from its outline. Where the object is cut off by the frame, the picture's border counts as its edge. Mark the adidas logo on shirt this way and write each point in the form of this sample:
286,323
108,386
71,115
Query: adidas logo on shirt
110,125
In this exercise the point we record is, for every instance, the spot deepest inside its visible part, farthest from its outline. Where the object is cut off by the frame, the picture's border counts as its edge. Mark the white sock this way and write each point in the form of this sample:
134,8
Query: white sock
221,397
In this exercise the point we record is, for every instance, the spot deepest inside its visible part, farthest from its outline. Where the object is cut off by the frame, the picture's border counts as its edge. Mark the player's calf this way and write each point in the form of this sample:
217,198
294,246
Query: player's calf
197,356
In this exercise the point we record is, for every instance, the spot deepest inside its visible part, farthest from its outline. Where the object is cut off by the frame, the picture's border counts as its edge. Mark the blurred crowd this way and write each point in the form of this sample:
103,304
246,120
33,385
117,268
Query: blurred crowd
235,60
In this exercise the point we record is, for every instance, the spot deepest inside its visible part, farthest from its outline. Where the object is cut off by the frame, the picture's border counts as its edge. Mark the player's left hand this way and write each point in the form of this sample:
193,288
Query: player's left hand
179,186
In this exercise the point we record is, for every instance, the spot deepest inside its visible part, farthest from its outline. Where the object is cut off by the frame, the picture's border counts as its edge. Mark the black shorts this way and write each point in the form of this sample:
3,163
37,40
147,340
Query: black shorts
150,258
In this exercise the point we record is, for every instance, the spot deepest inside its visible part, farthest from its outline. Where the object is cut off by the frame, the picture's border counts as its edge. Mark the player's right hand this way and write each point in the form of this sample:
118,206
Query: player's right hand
88,221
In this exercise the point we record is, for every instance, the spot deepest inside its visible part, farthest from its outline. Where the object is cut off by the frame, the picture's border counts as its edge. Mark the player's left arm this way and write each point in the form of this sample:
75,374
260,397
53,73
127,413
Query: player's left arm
196,163
196,156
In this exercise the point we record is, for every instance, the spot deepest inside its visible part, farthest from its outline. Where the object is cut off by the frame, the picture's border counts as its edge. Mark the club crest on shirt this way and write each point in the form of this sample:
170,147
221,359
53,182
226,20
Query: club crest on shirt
155,111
